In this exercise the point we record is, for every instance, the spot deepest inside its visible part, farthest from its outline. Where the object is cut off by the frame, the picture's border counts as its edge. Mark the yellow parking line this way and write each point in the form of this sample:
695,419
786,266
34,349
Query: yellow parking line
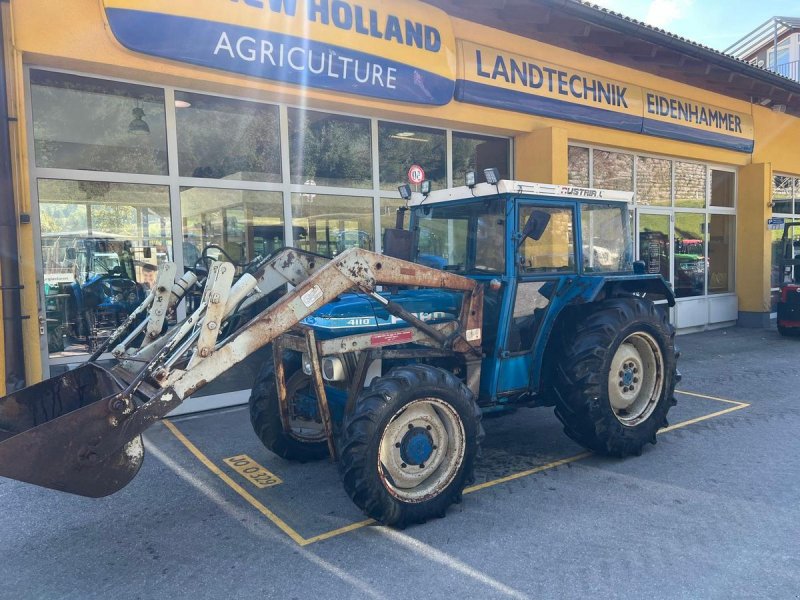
282,525
346,529
696,395
513,476
301,541
719,413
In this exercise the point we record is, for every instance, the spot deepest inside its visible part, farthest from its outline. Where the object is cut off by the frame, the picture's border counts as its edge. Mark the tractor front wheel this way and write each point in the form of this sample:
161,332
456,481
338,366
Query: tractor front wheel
407,451
306,439
615,376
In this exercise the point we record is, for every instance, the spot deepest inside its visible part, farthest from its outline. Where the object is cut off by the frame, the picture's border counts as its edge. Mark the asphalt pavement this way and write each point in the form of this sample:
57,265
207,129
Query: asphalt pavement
711,511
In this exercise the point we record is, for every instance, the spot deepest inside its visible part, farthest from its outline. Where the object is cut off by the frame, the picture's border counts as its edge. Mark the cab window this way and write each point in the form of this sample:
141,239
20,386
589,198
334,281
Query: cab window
606,238
467,238
555,250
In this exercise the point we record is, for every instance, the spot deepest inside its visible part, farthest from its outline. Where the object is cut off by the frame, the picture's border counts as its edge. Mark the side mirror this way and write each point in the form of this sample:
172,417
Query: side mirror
397,243
535,226
72,254
639,267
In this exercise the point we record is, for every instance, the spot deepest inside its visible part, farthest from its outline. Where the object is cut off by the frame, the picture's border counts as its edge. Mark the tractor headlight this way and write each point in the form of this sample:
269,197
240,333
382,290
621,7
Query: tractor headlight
332,369
308,368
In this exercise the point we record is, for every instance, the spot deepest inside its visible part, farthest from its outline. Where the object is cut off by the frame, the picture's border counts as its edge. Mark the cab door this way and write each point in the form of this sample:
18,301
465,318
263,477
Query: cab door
541,268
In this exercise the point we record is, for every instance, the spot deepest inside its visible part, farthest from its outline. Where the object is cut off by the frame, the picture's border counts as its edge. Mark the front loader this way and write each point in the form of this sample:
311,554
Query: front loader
496,297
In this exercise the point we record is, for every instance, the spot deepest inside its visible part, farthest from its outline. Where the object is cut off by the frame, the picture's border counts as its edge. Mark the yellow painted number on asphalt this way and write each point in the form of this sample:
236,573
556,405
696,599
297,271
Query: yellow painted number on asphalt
252,471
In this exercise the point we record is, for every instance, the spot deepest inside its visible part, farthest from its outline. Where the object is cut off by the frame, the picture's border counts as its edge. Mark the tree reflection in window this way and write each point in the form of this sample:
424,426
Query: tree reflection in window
221,138
330,150
401,146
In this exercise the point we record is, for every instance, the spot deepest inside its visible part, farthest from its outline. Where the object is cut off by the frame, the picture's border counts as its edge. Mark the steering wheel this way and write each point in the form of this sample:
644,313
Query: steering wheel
116,271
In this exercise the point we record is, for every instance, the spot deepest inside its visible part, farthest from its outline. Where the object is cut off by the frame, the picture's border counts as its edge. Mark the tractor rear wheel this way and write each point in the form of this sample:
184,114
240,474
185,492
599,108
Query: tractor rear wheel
407,450
615,376
306,441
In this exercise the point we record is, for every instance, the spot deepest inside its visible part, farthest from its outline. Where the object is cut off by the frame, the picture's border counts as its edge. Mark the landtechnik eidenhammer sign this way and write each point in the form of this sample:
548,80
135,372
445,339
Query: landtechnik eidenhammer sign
493,77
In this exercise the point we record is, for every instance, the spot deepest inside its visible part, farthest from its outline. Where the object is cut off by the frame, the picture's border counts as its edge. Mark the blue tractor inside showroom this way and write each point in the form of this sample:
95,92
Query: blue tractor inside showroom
495,297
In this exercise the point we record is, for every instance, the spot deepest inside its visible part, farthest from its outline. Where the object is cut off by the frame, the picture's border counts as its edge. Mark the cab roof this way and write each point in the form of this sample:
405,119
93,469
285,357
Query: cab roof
507,186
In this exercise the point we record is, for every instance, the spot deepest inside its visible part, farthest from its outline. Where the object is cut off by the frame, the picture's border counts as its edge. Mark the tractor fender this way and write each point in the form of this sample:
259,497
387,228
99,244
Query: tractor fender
616,285
583,290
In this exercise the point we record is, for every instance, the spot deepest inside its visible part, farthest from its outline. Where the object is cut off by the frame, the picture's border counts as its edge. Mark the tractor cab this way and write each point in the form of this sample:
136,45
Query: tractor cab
540,251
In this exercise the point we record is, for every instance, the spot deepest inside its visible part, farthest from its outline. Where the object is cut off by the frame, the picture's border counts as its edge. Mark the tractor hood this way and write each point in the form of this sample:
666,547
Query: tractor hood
356,313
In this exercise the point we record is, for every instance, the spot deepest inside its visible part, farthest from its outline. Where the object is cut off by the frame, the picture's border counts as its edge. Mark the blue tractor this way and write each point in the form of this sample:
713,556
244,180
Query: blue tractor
568,320
496,297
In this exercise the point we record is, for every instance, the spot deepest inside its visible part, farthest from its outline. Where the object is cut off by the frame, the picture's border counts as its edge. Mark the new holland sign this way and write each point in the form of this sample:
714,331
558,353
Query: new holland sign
390,50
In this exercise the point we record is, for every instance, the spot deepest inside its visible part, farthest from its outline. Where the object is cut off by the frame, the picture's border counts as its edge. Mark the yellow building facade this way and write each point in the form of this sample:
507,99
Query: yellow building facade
147,130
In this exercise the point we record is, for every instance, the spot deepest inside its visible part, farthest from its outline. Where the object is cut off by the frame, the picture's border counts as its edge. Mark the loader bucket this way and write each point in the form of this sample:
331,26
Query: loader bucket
50,435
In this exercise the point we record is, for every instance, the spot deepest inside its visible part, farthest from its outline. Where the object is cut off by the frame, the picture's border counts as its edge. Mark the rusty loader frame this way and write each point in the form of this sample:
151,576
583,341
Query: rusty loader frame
81,432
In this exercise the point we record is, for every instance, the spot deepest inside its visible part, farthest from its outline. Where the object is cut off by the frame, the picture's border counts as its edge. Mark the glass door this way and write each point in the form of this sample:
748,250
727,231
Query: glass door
654,242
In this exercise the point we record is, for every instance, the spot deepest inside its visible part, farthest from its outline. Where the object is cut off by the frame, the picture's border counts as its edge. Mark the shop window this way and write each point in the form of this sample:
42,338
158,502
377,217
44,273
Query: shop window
101,246
797,196
97,125
400,146
612,171
653,181
654,246
690,185
782,194
555,250
723,188
330,225
330,150
232,225
578,166
690,257
479,152
221,138
721,253
606,235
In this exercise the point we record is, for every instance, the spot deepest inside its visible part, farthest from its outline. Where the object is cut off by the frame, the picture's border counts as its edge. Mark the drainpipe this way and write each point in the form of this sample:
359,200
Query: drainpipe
9,255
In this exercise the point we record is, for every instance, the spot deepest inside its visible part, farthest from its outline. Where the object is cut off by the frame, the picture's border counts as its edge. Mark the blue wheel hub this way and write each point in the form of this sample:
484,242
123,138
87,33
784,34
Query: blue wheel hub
416,447
627,377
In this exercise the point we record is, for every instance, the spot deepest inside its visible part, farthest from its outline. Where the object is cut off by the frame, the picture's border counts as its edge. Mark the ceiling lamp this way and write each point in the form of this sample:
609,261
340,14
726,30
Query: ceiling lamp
139,125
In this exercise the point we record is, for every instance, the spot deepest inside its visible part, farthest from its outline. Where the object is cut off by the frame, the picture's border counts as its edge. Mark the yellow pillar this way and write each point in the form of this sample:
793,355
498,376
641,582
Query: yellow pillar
753,253
19,158
542,156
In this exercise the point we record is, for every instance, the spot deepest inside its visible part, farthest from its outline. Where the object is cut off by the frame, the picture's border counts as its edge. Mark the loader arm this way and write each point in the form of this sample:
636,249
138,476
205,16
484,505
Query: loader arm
93,447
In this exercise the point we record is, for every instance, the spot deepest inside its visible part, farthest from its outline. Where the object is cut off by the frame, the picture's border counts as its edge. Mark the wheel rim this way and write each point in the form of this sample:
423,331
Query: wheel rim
301,428
636,378
421,450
